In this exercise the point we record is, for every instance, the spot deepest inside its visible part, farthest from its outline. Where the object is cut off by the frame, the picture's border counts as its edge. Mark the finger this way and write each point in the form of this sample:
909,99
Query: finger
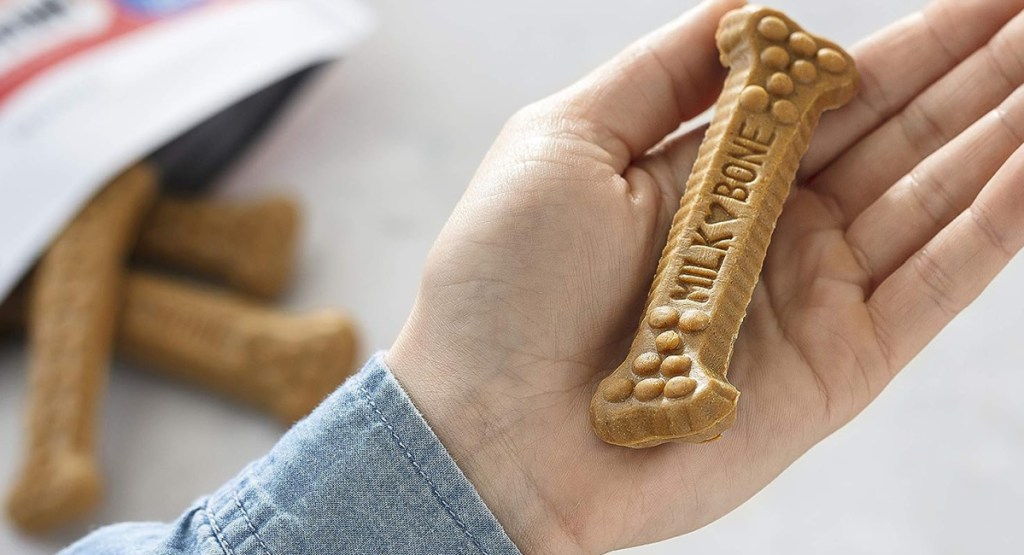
858,177
941,279
657,181
669,165
629,104
922,203
899,62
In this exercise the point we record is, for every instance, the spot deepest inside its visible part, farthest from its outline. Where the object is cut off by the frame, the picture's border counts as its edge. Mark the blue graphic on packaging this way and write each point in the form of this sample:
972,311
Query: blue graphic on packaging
157,7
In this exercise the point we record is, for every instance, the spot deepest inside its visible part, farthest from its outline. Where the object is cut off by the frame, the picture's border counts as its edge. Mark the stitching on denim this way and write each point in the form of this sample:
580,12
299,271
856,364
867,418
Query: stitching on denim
216,529
419,470
248,521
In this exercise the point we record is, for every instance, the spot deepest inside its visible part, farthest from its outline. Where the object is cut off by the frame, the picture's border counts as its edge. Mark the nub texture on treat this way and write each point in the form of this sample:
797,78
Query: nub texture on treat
672,385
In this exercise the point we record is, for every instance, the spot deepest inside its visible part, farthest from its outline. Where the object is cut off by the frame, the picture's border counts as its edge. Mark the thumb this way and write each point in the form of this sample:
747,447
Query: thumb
633,101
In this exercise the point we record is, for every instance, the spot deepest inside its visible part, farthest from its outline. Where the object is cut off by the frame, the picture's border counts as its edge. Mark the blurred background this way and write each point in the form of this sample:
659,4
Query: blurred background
379,148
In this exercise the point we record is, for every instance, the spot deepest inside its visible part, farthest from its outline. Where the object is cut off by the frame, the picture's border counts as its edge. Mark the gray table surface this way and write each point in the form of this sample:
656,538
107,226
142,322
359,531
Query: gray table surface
380,150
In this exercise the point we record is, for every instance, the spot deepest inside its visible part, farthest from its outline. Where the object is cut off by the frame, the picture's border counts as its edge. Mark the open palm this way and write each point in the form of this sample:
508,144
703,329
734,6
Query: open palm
908,203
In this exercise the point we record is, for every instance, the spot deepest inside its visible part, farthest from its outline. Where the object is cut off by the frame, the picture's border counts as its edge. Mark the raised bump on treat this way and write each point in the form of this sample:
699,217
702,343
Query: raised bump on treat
280,362
802,44
780,84
780,80
773,28
646,364
775,57
754,99
680,386
248,245
649,389
831,60
694,320
675,365
785,112
617,390
663,317
668,341
804,72
72,309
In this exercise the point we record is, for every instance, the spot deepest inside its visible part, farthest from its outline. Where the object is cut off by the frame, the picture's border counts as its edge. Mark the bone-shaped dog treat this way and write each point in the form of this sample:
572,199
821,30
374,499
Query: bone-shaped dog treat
280,362
228,372
672,386
74,301
250,246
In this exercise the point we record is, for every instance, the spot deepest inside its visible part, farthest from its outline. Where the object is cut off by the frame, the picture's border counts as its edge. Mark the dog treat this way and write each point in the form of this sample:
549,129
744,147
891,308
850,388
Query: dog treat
206,307
250,246
280,362
73,302
672,386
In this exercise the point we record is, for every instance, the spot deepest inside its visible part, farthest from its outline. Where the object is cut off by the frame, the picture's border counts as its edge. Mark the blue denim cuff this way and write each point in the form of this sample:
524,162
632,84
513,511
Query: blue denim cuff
364,473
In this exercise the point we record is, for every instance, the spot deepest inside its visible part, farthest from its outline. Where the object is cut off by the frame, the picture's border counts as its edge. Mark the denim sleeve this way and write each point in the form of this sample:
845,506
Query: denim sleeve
364,473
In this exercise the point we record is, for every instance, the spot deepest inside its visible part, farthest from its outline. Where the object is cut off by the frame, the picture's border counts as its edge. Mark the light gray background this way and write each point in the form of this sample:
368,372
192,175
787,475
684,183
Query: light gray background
381,148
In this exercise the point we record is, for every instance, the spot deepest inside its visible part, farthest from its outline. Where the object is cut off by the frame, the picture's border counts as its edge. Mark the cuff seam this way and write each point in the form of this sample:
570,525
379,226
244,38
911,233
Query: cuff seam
419,470
212,521
248,521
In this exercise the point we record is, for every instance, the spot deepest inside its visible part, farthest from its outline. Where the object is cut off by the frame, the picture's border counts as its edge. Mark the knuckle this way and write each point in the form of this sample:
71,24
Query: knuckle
938,284
535,116
982,218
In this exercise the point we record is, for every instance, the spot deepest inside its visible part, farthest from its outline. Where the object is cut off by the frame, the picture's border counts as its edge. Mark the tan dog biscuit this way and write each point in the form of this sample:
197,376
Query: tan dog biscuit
72,309
672,386
251,246
138,310
280,362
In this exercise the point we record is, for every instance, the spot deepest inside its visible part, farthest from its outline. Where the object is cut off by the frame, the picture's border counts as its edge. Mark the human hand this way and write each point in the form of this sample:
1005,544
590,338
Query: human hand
906,206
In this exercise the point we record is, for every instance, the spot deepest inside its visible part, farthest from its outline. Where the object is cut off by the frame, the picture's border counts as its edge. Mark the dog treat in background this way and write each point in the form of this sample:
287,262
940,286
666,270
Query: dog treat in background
672,386
250,246
74,300
202,302
281,362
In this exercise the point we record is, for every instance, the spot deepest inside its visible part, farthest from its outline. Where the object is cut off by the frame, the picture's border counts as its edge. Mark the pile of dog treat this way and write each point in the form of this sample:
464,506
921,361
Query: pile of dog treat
84,297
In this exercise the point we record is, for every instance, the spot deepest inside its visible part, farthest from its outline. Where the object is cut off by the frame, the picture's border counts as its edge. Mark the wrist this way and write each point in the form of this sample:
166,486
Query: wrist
480,429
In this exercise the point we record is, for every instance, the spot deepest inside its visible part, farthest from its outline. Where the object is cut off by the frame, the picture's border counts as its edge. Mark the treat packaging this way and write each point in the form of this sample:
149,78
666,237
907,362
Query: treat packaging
88,87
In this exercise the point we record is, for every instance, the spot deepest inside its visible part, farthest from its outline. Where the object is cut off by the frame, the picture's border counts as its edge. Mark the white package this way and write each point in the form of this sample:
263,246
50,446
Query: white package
87,87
